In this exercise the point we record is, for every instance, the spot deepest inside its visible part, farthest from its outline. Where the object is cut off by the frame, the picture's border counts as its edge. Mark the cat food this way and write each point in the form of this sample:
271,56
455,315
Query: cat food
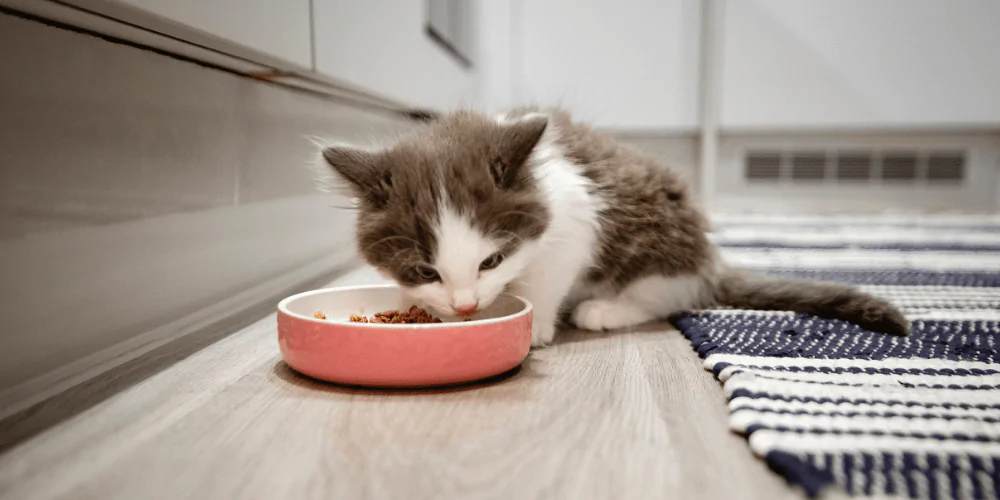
415,315
319,315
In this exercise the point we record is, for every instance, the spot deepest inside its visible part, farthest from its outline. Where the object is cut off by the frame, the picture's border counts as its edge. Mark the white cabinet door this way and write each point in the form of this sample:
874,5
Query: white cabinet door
860,63
279,28
630,64
385,47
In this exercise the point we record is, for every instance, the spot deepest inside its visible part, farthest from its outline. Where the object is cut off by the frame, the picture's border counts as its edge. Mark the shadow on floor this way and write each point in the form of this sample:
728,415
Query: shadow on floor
75,400
570,335
288,375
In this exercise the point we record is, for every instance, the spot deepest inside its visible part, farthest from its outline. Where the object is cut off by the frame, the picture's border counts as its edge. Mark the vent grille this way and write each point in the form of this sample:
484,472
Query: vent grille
809,166
896,167
899,166
764,166
946,166
854,166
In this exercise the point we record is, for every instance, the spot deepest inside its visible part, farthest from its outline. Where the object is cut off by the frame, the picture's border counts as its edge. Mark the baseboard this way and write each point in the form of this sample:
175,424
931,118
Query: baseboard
41,388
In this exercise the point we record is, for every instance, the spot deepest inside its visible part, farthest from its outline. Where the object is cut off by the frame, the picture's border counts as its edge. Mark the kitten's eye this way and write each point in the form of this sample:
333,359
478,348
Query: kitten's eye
426,274
491,262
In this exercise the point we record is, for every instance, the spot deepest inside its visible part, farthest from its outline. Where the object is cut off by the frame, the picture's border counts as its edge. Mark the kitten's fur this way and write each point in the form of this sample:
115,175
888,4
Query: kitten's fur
586,226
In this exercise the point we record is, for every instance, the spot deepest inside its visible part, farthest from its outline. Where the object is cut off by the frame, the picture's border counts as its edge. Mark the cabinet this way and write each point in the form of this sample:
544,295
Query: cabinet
386,47
859,63
279,28
631,64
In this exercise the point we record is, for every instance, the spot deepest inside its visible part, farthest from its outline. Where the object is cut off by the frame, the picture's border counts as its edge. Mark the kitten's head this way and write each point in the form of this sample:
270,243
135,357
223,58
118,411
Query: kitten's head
452,213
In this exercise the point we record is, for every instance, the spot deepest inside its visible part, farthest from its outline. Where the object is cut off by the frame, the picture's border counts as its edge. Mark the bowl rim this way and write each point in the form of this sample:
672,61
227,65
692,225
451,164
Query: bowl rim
283,309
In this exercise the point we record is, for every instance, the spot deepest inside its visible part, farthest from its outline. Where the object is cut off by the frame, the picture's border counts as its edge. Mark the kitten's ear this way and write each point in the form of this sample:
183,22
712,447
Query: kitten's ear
518,140
359,169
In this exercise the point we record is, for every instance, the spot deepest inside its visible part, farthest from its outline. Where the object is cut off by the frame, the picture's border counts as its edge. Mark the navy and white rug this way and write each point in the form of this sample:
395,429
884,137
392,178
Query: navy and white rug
829,405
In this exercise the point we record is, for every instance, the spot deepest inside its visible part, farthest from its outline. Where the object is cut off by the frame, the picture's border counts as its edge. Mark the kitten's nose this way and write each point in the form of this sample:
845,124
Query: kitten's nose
467,308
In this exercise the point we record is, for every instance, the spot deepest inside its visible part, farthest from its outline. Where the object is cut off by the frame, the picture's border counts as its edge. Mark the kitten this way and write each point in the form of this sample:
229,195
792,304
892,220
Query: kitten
530,202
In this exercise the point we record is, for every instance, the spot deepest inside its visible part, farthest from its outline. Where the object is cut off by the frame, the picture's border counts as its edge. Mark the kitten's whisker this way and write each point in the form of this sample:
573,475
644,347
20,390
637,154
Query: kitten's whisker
513,236
396,255
396,237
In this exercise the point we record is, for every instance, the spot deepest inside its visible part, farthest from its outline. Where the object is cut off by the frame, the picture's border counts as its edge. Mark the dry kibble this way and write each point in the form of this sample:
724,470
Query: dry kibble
415,315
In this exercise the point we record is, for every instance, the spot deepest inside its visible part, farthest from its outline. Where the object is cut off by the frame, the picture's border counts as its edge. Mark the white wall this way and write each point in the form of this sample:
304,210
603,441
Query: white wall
276,27
860,63
631,64
381,45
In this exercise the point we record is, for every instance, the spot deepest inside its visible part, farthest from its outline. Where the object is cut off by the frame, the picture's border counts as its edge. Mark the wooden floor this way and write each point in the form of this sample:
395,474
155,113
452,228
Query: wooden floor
617,415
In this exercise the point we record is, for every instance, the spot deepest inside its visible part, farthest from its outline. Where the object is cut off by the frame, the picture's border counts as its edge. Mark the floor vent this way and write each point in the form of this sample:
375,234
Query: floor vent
856,166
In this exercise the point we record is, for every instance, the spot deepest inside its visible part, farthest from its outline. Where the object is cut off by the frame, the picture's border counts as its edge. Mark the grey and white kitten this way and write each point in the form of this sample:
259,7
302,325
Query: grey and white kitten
530,202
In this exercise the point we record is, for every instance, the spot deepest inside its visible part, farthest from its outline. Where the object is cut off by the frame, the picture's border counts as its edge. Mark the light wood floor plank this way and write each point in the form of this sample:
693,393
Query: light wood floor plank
617,415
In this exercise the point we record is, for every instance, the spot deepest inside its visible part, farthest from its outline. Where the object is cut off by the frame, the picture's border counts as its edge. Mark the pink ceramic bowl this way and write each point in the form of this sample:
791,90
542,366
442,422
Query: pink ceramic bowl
381,355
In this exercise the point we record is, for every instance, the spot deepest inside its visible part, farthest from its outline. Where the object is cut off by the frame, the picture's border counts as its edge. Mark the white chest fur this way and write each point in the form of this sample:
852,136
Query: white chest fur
566,250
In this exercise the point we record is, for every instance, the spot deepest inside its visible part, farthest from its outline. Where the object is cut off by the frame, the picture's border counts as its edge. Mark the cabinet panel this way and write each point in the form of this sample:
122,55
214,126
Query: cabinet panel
276,27
860,63
144,198
631,64
384,46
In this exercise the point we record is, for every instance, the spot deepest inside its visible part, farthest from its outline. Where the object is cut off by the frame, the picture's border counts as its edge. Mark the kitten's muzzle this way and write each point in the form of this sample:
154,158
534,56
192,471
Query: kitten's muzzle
466,308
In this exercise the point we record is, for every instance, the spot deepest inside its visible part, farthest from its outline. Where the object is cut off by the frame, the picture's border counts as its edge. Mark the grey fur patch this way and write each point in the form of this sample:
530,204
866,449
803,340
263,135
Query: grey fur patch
650,225
653,226
466,160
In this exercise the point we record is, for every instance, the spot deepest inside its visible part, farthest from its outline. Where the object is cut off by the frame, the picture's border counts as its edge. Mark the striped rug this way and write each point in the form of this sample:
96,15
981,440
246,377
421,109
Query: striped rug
829,405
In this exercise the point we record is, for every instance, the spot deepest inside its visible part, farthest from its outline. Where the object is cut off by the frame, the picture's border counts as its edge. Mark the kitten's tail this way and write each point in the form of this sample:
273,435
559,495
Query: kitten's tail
827,300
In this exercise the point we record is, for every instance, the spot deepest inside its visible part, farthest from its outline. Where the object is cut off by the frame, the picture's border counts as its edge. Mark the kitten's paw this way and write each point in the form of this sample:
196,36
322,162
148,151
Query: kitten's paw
601,314
542,333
